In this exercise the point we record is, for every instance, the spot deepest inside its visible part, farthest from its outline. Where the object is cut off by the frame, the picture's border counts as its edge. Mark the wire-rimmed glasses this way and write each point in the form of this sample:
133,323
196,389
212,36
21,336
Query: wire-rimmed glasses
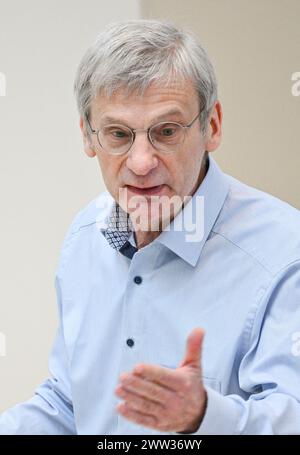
116,139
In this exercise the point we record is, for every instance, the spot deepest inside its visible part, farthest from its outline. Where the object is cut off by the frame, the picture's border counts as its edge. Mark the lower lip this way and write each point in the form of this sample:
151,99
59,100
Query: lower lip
146,191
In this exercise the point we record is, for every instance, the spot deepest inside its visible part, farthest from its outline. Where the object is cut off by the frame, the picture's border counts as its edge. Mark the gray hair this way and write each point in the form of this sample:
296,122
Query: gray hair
133,54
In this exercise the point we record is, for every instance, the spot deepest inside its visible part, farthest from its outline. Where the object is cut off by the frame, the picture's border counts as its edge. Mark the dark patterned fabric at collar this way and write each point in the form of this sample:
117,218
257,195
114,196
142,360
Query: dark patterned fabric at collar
118,230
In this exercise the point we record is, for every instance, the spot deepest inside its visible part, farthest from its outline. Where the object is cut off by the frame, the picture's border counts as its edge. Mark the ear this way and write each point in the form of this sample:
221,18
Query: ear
214,128
87,143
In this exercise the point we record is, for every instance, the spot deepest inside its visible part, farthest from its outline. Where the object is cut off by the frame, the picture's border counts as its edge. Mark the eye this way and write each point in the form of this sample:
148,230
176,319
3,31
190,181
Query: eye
119,134
115,133
168,131
165,132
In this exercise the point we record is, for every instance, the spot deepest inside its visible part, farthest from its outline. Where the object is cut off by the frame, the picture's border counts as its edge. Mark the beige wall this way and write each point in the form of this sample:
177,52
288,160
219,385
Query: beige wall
44,175
255,47
45,178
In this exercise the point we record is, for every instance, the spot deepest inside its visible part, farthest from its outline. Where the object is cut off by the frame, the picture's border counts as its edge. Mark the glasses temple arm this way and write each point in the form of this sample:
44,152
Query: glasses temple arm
88,122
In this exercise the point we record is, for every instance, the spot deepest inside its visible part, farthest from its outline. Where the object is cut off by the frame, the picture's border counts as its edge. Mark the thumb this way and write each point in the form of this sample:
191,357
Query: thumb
193,348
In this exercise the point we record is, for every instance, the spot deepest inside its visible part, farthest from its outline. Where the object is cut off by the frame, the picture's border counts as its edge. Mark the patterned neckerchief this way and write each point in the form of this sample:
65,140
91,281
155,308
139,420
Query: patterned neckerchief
118,231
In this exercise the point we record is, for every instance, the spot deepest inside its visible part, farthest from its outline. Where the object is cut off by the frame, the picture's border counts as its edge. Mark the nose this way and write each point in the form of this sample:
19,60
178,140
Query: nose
142,157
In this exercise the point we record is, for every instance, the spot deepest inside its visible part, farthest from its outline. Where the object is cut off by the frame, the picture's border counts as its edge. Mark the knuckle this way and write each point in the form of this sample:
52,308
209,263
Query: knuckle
131,381
157,394
149,406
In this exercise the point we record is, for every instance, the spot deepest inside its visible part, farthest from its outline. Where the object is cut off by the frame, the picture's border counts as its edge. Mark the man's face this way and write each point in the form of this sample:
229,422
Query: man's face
145,172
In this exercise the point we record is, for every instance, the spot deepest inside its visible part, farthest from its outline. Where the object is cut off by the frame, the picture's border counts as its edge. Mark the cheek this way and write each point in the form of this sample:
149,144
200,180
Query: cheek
188,169
110,169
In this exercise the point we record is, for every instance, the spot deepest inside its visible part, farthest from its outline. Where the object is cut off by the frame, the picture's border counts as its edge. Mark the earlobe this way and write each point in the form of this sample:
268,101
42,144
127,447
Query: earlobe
89,148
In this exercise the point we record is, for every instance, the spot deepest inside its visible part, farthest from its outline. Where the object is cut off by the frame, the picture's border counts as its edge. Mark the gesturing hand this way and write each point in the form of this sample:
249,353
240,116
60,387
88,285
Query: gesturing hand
163,398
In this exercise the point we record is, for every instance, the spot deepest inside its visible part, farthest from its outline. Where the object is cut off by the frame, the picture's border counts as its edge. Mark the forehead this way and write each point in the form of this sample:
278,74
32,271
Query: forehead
178,99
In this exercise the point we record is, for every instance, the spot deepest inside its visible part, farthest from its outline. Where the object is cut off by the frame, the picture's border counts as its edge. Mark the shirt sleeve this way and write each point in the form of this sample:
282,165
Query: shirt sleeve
269,373
50,410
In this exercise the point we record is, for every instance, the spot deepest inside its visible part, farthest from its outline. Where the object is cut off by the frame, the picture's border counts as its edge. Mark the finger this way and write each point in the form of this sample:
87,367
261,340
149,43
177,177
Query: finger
193,349
159,375
139,403
136,416
147,389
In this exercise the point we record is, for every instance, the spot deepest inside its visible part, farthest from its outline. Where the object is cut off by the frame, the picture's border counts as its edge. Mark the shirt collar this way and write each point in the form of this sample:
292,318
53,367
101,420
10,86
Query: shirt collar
188,232
203,210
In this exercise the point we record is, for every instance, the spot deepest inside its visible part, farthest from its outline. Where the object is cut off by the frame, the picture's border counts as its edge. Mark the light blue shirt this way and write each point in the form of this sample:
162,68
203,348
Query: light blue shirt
240,282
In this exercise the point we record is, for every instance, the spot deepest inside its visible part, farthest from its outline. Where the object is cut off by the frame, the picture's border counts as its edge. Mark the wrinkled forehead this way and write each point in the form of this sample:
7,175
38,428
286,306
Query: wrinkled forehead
177,97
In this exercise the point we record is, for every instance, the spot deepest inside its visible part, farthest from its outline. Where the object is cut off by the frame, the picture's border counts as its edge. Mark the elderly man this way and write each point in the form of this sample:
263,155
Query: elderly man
174,248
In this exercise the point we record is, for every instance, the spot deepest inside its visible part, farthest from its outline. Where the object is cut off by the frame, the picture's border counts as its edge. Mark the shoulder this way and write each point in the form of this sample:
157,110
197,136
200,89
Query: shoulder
90,216
94,212
261,225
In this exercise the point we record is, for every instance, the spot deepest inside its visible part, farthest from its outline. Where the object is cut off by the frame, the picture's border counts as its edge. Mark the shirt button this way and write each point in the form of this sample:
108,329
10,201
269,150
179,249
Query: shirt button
137,279
130,342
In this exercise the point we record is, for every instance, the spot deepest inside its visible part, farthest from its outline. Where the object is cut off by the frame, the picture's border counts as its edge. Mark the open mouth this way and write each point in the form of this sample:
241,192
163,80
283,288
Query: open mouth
150,191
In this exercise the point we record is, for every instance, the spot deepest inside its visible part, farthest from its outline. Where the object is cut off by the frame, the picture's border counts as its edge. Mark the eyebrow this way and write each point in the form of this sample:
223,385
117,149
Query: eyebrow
157,118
